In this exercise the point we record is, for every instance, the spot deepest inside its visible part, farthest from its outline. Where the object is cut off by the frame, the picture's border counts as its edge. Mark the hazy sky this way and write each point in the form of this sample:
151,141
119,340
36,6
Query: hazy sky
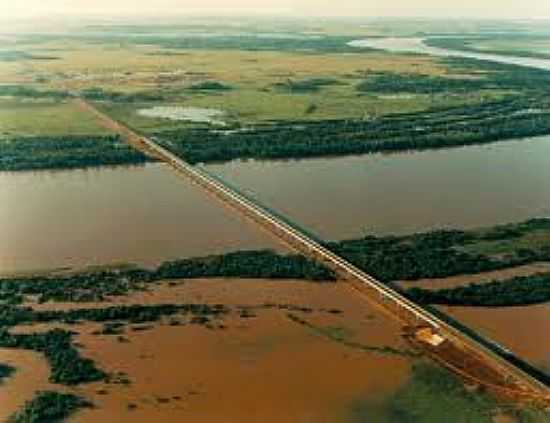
436,8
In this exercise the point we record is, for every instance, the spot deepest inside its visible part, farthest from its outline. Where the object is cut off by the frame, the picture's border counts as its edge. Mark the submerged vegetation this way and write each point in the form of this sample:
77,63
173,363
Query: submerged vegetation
96,286
49,406
68,367
433,395
5,372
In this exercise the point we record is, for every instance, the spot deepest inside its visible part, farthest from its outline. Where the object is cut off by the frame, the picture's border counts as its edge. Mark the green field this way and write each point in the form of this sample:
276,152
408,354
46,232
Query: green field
23,117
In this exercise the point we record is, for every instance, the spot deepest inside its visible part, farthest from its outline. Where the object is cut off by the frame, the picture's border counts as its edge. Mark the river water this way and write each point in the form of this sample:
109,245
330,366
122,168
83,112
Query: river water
141,215
147,214
346,197
417,45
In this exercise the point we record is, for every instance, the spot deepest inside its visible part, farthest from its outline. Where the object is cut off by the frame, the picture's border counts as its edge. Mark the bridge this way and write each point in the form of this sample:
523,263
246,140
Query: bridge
498,374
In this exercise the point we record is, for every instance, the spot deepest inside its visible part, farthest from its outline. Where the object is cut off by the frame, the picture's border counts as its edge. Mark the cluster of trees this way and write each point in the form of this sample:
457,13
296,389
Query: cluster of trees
49,406
510,118
443,253
514,292
66,152
5,371
99,94
246,264
78,287
210,86
393,82
96,286
25,91
68,366
309,85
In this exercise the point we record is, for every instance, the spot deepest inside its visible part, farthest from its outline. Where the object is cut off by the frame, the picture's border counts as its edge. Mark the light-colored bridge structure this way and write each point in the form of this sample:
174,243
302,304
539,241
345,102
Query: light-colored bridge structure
521,384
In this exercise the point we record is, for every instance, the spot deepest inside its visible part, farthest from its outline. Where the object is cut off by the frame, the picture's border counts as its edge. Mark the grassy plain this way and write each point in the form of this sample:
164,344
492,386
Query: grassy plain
45,118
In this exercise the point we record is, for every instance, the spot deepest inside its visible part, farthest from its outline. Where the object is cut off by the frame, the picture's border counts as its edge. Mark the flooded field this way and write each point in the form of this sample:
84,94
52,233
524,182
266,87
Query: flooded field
139,215
523,330
346,197
266,367
190,114
31,375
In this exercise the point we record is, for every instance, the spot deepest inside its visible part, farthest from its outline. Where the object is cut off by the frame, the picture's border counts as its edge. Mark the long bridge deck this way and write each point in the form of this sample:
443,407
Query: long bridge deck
518,383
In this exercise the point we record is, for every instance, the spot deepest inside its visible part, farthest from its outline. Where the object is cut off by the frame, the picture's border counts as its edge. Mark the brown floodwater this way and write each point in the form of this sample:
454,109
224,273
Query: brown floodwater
523,330
138,215
268,368
345,197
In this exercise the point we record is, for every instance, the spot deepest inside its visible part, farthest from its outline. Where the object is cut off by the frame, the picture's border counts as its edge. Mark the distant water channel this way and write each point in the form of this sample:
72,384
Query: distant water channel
417,45
402,193
141,215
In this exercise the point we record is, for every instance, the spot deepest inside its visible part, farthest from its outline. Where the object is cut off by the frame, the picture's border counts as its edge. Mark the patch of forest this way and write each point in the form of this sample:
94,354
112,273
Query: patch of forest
49,406
97,285
66,152
5,372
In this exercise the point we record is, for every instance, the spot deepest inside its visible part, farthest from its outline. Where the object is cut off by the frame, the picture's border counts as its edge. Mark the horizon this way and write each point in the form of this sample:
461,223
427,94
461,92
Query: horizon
416,9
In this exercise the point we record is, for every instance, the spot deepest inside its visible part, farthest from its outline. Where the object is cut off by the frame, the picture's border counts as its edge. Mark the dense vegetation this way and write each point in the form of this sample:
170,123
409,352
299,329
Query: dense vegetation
30,92
99,94
65,152
510,118
97,285
247,264
49,407
447,253
308,85
68,367
5,372
516,291
391,82
208,86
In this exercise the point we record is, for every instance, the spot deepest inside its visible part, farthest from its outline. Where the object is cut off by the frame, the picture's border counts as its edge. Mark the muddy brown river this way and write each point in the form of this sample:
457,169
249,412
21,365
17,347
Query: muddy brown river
148,214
